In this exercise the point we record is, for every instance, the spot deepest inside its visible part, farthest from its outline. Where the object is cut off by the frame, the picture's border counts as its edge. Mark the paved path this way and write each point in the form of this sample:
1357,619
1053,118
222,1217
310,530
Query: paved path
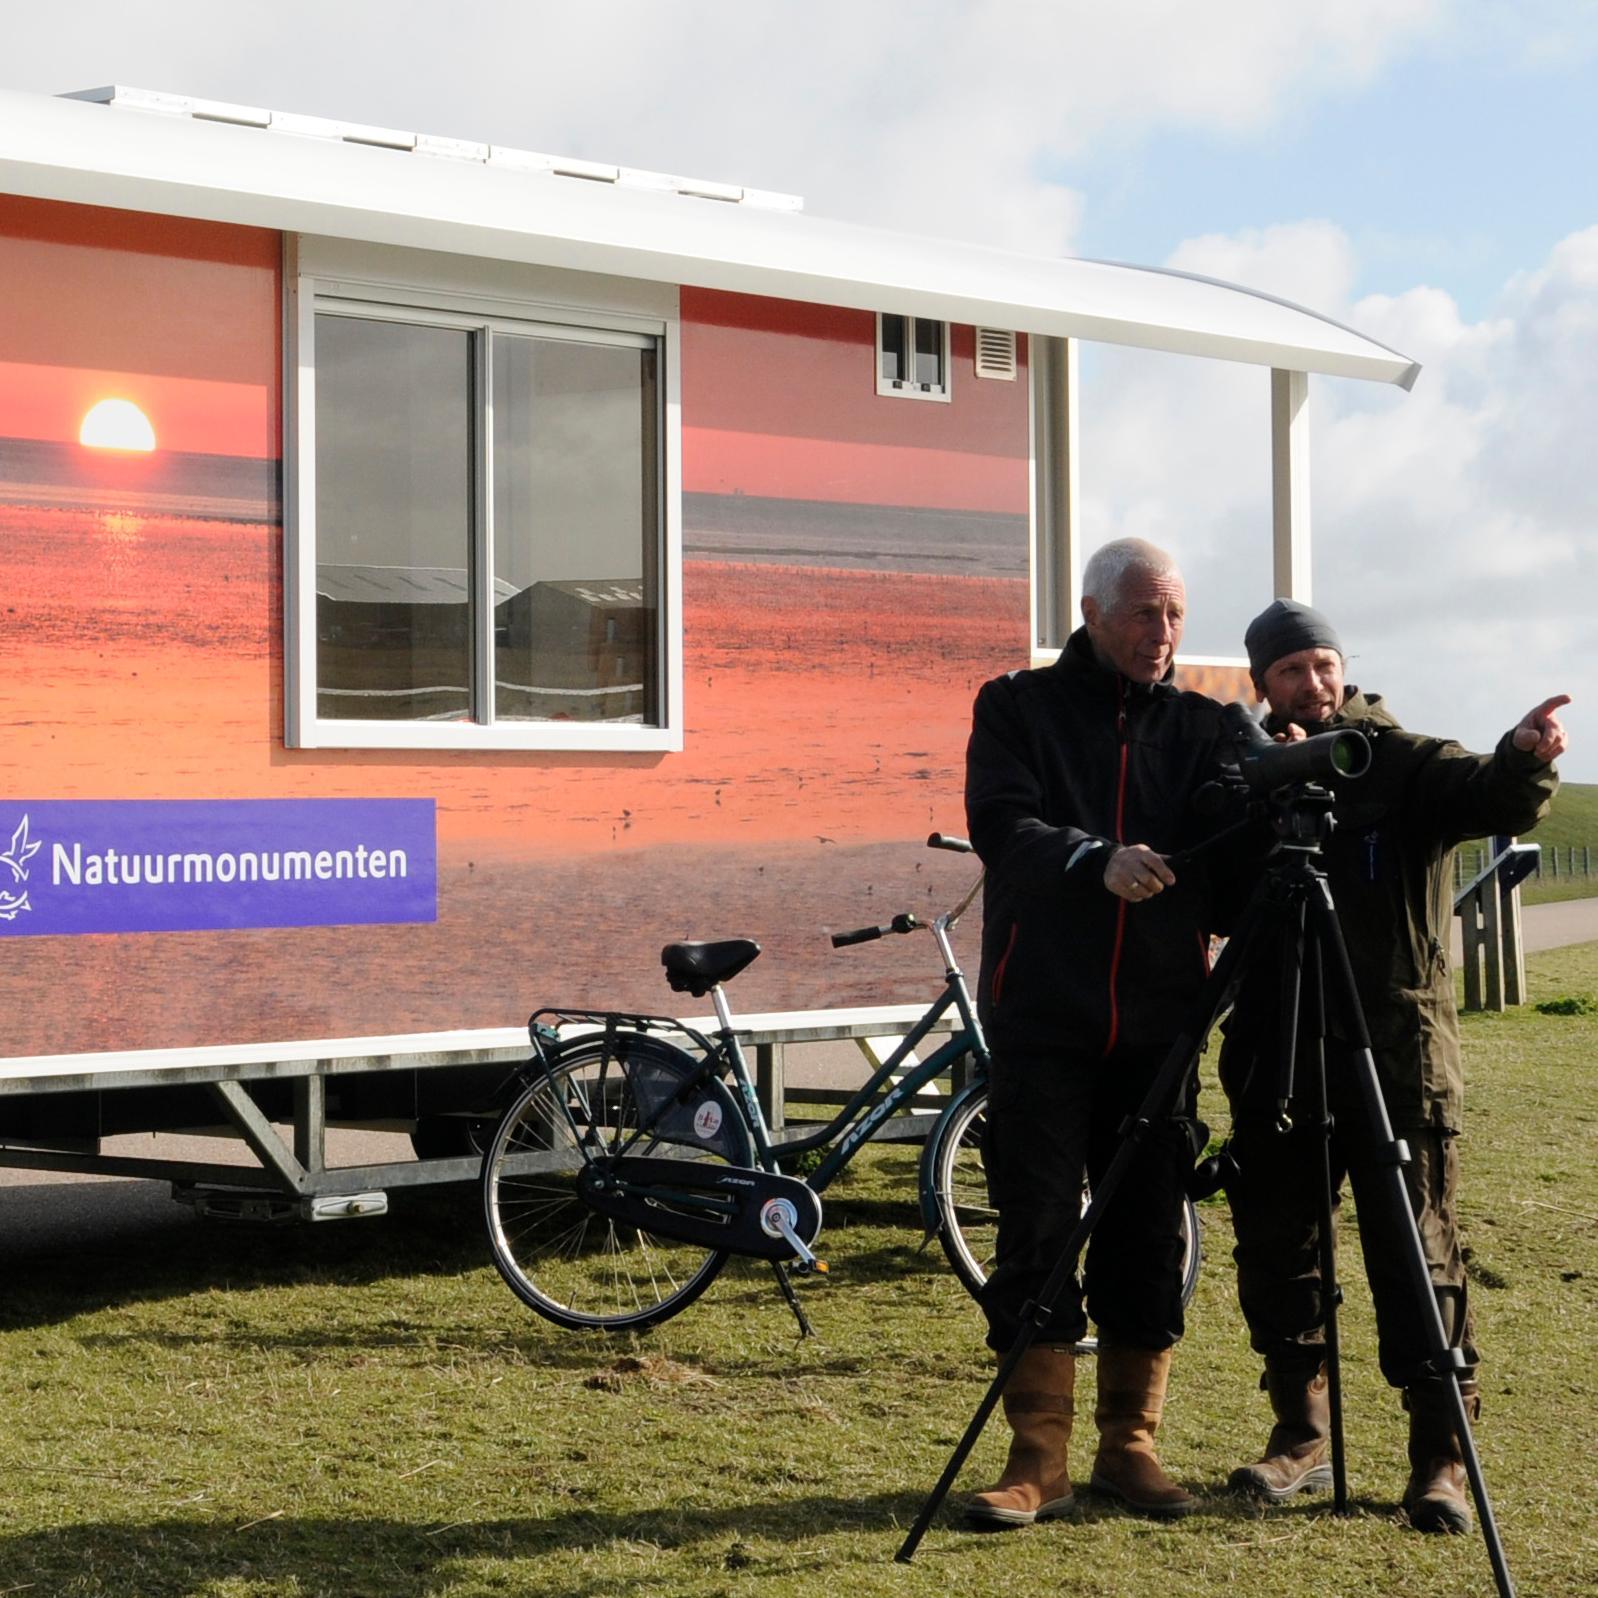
1552,926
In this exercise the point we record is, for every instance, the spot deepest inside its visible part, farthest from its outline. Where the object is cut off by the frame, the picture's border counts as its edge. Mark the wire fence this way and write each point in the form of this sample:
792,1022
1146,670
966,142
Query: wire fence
1555,862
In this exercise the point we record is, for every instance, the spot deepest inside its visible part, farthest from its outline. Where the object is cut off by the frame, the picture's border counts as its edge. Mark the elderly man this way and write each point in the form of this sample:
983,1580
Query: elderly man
1388,865
1078,781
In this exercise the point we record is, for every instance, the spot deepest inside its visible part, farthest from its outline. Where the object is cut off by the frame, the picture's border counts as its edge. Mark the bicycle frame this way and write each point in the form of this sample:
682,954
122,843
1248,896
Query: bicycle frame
686,1155
865,1112
860,1116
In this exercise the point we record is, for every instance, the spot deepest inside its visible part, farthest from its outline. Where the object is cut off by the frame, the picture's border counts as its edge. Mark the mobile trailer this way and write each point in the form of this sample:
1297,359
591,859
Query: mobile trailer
436,575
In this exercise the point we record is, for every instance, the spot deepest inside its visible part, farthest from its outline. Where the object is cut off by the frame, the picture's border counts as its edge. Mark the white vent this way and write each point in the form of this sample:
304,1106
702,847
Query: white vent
430,146
996,353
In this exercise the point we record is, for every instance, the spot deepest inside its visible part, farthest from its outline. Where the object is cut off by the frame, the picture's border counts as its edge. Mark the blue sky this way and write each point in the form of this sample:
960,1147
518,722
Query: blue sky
1419,169
1455,166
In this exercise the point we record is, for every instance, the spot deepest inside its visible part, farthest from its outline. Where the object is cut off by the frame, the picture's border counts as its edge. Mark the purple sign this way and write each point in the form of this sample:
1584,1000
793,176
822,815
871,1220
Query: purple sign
197,865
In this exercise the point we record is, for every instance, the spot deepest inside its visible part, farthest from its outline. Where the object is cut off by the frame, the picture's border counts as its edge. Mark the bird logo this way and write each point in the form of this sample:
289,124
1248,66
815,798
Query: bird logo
15,861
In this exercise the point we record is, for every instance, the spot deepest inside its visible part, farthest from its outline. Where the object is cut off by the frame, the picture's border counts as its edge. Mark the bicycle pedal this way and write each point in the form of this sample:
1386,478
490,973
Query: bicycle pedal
777,1219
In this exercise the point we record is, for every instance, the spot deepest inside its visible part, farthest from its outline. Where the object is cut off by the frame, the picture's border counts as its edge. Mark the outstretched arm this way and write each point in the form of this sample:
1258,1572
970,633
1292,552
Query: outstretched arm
1461,795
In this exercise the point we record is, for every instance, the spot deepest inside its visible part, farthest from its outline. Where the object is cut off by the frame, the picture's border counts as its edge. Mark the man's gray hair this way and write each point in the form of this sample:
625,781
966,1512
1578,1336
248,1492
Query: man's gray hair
1104,577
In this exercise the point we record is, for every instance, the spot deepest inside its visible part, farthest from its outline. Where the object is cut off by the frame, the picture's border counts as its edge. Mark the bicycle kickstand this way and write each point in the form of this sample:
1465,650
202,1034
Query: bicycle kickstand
781,1272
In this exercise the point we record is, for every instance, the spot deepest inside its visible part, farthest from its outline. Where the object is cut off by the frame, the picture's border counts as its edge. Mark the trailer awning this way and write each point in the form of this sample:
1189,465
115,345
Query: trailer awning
477,201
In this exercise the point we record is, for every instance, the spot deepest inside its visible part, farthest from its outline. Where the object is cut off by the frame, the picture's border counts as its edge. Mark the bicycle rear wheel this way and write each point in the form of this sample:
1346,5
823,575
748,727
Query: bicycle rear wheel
968,1223
575,1267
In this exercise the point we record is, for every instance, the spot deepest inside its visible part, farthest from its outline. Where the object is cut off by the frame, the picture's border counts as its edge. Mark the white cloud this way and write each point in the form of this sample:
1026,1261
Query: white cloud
1455,528
947,117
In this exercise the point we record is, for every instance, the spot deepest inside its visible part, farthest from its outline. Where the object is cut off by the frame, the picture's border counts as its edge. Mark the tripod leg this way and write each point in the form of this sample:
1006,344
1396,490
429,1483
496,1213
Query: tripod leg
1395,1224
1331,1288
1287,1014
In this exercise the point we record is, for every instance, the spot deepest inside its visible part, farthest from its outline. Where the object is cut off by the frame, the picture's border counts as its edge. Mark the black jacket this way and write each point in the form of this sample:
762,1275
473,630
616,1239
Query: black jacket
1065,763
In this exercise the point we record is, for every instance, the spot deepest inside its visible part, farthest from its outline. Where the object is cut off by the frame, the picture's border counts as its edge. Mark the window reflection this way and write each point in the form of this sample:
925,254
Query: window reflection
576,526
929,353
912,356
893,348
393,520
575,530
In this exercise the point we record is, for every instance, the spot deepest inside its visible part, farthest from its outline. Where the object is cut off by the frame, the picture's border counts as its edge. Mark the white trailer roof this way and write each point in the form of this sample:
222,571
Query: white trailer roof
301,175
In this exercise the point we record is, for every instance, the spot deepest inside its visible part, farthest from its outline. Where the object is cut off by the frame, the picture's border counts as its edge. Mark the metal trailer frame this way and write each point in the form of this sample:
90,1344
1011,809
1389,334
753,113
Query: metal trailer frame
291,1177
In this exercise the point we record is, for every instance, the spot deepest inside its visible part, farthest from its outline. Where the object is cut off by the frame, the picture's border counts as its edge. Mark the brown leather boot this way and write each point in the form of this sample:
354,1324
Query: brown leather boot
1297,1454
1039,1403
1131,1400
1437,1496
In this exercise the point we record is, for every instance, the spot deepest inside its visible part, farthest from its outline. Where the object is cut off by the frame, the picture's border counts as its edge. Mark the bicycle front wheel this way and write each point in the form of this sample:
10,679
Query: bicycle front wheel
600,1097
968,1224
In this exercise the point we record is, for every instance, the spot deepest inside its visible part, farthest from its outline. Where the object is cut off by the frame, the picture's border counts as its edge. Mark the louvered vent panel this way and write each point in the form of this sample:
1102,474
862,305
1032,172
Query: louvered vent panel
995,353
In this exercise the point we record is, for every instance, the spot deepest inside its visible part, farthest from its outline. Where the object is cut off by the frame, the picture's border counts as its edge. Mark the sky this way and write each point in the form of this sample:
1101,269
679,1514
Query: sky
1419,169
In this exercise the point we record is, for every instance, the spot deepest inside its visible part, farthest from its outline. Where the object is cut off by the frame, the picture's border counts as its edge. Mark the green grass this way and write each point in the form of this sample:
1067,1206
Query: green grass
363,1409
1572,822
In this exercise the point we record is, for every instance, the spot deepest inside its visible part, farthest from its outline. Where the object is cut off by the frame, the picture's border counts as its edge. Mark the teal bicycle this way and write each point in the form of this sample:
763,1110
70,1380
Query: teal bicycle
635,1160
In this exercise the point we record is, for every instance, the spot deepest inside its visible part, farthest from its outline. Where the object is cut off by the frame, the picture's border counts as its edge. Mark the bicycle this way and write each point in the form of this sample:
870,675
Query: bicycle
626,1172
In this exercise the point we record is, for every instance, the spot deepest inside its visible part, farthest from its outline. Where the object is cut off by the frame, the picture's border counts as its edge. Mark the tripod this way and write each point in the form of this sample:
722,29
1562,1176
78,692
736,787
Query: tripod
1292,910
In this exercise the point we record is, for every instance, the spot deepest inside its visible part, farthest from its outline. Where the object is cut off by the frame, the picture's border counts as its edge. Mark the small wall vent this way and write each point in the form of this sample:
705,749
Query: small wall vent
996,353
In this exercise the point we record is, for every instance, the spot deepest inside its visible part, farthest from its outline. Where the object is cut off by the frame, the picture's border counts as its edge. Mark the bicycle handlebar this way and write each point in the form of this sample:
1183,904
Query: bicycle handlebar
904,922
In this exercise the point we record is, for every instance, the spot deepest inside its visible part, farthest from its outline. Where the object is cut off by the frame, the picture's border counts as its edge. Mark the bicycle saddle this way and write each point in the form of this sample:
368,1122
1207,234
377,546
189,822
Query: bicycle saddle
697,967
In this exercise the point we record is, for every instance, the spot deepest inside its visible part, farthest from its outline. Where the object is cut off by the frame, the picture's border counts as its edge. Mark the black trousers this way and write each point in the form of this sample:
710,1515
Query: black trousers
1054,1120
1275,1213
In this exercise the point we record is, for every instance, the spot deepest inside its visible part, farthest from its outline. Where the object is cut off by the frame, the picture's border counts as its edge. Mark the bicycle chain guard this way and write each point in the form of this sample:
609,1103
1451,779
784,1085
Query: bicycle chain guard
701,1202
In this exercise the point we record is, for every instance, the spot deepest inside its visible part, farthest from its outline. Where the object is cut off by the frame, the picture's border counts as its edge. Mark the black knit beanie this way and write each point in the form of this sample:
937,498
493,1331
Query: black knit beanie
1283,628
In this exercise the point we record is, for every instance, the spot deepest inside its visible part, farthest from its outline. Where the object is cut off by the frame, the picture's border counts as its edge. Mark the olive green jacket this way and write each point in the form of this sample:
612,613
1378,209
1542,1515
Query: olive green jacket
1389,865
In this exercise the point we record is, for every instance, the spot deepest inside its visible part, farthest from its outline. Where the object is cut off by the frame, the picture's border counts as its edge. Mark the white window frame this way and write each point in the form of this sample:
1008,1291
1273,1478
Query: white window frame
481,297
894,389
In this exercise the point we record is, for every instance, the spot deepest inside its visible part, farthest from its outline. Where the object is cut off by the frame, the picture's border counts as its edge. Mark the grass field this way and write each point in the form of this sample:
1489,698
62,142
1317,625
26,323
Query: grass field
1572,822
363,1411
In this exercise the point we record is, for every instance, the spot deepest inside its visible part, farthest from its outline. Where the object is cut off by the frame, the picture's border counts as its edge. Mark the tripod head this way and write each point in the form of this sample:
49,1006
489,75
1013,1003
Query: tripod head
1301,818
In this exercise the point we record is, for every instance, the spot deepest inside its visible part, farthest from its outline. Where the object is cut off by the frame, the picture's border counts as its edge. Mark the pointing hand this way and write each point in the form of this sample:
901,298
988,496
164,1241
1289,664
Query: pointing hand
1540,731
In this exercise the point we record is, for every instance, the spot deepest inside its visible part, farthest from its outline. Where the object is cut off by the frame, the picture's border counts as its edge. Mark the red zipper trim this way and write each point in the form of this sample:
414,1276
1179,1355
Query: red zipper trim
1204,950
996,987
1120,914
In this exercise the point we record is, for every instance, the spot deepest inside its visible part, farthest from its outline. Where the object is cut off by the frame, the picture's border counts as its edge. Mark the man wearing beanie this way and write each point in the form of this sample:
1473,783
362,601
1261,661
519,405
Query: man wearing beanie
1079,778
1389,864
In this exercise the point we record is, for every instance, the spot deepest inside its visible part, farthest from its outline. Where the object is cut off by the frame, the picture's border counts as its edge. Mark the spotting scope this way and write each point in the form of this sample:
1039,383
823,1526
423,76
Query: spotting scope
1266,765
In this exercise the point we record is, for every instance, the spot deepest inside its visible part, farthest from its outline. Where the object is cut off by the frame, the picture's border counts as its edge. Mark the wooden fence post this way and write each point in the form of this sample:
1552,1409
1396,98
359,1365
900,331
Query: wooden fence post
770,1086
1492,943
1470,949
1514,948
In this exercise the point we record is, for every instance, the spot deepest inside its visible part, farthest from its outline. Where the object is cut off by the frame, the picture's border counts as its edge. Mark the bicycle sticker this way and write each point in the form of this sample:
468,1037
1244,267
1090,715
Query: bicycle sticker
707,1119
